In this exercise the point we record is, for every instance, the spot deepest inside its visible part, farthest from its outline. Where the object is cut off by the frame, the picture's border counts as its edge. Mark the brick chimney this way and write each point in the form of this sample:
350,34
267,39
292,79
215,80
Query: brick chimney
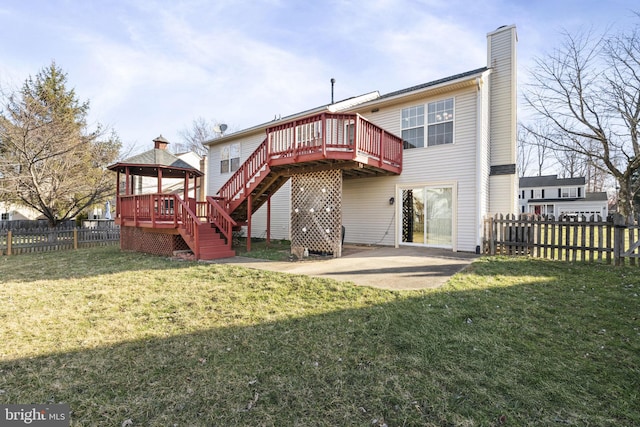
160,143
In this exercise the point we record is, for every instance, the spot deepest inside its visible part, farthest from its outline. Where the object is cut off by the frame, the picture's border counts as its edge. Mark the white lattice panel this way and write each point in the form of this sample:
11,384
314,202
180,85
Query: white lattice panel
316,212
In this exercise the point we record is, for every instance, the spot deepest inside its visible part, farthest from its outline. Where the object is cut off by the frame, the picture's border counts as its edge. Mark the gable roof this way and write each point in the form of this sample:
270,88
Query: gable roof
150,161
549,181
364,99
435,82
598,196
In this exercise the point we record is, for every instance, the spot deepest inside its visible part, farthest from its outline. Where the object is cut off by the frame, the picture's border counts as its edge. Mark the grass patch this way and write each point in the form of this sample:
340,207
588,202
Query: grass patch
509,341
277,250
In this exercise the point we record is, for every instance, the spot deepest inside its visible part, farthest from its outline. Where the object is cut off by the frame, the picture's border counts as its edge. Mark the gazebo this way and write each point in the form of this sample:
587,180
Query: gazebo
162,223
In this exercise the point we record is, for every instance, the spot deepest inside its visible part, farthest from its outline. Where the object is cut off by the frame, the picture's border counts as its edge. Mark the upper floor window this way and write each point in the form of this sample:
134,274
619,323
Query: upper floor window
230,158
5,216
538,193
439,124
413,127
569,192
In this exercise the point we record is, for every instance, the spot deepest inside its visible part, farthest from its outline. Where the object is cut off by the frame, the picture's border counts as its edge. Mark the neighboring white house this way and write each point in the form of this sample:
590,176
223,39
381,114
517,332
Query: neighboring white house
459,159
550,195
12,212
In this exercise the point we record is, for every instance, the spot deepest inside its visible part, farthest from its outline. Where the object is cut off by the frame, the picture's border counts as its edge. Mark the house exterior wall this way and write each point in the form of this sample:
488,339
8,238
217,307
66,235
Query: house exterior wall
582,207
484,141
483,156
501,48
12,212
452,165
548,198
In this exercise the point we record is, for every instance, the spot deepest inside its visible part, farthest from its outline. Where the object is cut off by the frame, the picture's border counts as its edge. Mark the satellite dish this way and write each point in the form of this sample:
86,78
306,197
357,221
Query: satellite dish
220,128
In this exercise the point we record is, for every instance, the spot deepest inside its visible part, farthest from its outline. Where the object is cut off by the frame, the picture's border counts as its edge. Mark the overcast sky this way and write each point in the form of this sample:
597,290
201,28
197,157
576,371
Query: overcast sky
152,67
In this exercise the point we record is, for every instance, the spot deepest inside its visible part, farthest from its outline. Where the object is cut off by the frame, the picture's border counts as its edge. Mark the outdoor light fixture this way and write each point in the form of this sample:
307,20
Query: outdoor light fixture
392,200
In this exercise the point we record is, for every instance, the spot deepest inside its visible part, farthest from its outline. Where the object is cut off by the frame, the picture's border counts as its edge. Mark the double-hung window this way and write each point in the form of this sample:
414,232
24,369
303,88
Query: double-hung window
438,125
569,192
413,127
440,122
230,158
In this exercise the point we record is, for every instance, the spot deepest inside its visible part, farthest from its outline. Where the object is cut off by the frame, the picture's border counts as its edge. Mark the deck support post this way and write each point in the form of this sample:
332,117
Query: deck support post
186,188
128,186
269,220
249,202
118,195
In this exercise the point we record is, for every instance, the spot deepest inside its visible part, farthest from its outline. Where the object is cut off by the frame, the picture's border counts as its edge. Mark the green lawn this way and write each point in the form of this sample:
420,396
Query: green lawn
123,336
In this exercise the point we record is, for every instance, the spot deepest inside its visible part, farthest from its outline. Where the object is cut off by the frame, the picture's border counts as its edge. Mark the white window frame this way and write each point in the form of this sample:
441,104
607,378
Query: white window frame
229,158
413,120
438,114
453,185
565,192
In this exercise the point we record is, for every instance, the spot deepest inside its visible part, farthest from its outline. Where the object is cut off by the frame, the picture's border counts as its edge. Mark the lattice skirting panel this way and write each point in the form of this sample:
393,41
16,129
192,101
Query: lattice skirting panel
150,241
316,212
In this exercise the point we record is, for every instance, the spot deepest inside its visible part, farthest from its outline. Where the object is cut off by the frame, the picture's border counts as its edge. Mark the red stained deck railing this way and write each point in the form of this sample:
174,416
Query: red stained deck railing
156,209
313,138
170,211
216,214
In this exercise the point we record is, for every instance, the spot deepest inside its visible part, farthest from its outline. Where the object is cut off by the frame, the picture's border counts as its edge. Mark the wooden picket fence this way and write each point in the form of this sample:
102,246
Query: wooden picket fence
569,238
15,242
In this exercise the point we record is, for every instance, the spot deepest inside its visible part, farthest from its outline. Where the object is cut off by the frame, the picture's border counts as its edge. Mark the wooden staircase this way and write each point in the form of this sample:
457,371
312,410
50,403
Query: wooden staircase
211,242
254,177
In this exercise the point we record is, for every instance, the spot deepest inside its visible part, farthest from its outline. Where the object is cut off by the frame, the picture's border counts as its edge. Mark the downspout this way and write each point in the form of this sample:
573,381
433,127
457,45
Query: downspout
479,164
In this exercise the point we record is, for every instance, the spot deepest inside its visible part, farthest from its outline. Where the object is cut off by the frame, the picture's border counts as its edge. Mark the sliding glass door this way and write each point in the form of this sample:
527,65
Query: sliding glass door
427,216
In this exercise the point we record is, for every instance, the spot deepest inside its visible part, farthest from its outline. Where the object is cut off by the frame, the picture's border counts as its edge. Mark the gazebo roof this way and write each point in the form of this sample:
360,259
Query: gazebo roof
149,162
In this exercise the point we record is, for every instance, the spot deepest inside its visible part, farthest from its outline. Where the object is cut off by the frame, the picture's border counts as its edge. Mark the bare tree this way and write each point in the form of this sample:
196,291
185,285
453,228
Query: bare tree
200,132
50,160
588,93
532,149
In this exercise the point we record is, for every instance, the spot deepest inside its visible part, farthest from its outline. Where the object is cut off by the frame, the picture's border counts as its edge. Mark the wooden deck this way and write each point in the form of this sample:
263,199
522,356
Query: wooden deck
317,142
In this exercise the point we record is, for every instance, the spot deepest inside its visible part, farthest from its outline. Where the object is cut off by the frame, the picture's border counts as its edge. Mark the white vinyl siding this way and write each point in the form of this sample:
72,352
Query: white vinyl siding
483,156
280,216
450,163
500,187
502,83
502,105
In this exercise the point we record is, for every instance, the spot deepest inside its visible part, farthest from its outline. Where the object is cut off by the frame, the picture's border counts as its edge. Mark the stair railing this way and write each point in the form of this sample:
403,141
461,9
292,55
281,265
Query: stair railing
190,224
217,215
247,170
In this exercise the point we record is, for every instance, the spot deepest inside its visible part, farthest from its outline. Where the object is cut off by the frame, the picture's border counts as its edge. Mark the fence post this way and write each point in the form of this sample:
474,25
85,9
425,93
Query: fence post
9,241
492,236
619,223
75,238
